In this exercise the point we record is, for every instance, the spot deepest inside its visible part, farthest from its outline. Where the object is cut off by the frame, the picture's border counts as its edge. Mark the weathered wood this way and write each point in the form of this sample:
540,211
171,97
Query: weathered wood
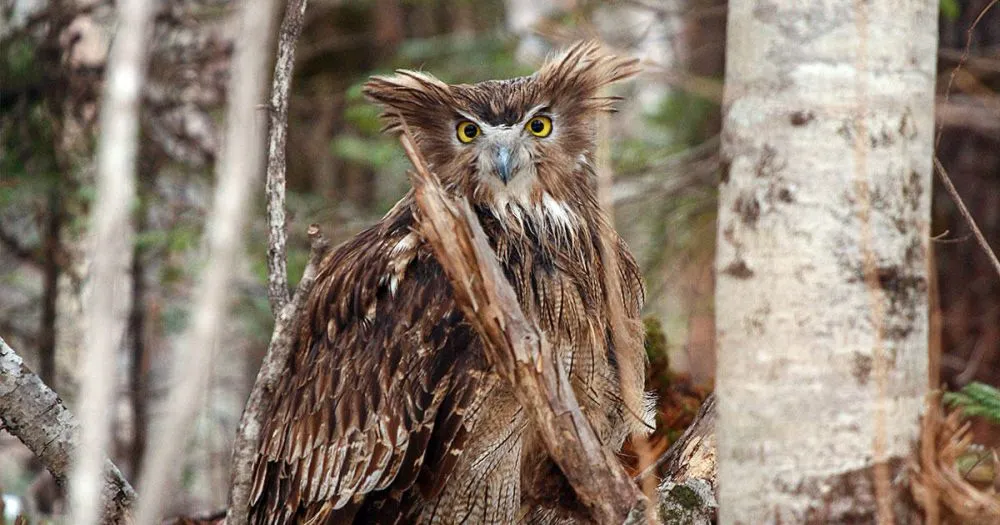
36,415
688,490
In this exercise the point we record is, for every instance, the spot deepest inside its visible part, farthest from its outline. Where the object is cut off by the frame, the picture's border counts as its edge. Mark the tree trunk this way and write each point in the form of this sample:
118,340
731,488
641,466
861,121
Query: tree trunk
821,302
50,282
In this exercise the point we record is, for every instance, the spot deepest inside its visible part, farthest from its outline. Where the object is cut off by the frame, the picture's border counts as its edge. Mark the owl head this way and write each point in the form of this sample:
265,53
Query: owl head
516,143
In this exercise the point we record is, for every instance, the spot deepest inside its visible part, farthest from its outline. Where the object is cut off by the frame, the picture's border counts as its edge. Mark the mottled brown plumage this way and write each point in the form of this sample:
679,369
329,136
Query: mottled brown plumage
389,412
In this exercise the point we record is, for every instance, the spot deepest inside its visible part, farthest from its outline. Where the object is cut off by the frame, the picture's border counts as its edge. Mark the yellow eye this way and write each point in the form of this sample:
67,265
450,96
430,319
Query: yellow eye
539,126
467,131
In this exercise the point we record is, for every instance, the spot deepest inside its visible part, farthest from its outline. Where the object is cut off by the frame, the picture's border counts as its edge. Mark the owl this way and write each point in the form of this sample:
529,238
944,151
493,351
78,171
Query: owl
389,411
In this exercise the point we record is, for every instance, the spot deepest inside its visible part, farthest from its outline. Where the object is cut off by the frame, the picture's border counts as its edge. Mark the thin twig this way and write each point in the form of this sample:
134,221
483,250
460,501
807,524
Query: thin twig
285,311
277,256
238,171
980,238
516,348
961,64
111,243
273,366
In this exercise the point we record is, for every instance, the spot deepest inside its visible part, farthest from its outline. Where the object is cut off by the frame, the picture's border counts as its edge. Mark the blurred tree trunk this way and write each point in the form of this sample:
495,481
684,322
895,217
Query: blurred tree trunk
138,362
522,18
821,302
389,28
50,283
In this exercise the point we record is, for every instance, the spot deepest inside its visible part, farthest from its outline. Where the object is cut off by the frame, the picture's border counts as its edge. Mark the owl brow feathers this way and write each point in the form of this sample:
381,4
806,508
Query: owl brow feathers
571,79
413,95
582,71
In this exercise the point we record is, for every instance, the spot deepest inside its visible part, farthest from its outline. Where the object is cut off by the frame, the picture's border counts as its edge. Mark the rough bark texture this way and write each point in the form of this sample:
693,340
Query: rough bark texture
277,253
822,257
518,350
687,492
33,413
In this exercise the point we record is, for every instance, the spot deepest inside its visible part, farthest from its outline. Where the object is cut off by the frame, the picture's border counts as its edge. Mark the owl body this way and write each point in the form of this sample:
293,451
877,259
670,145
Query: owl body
390,412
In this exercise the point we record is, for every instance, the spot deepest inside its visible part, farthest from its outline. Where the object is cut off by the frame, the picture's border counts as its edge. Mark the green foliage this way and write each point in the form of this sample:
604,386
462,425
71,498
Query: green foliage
463,58
976,399
656,338
657,352
375,153
686,115
950,9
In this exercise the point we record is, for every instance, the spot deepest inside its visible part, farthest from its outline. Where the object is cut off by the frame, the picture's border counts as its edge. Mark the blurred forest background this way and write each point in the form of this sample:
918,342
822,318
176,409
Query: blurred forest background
664,152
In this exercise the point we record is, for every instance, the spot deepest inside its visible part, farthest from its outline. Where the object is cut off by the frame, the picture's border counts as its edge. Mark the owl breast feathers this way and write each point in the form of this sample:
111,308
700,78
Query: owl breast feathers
389,411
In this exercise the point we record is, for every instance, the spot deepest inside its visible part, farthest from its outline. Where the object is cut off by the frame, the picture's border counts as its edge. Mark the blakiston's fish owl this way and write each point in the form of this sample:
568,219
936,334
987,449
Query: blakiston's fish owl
389,412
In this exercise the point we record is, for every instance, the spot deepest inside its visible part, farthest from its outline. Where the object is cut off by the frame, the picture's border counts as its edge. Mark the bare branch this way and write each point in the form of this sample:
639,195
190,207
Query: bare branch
248,434
277,272
275,362
237,173
111,238
517,349
961,63
33,413
980,238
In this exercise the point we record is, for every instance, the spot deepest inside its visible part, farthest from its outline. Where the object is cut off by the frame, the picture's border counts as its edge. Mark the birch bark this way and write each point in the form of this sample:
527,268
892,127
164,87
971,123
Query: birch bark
822,257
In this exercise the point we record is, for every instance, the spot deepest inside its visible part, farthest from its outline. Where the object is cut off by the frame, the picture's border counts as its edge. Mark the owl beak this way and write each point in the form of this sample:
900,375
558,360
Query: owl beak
502,162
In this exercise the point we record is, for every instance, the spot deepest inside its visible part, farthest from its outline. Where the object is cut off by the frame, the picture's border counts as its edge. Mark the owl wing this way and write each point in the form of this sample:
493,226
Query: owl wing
379,386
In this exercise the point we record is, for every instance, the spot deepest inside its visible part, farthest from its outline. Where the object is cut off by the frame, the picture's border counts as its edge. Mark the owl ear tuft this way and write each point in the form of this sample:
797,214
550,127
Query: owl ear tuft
580,72
411,95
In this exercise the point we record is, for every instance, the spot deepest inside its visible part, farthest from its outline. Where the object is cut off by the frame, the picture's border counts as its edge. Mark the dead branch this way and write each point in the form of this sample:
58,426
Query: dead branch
277,257
517,349
275,360
937,481
111,242
961,63
687,492
258,405
980,238
33,413
238,171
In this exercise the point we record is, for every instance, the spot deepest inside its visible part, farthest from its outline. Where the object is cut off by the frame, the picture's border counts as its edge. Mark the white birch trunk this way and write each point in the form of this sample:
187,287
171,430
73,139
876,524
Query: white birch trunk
107,302
822,257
